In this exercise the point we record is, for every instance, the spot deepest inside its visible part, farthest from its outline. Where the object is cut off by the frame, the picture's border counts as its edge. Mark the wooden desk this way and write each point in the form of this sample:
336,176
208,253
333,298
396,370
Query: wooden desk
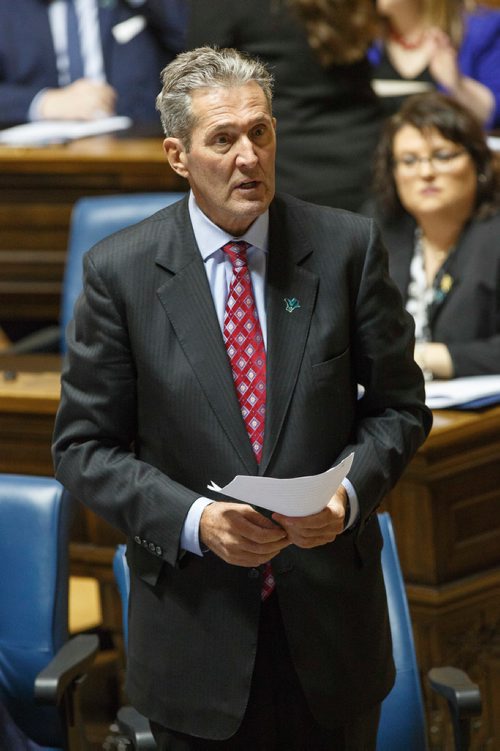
38,188
445,509
446,514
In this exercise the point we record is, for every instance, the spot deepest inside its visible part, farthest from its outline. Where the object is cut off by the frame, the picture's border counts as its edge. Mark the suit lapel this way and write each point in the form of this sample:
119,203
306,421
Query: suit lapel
400,239
188,303
287,324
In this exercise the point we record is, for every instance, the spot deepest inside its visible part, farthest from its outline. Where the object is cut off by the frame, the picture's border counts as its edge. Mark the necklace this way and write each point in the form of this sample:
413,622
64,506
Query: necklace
402,41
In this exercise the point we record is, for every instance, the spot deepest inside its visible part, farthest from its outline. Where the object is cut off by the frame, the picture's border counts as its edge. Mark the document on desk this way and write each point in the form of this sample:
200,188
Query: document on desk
294,496
48,132
463,393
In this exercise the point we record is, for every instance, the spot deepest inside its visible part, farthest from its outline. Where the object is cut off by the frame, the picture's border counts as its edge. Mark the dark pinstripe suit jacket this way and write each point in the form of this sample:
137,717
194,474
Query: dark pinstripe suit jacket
149,416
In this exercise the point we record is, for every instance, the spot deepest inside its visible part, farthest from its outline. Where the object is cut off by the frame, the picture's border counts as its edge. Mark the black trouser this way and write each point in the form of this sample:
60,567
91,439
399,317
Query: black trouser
277,717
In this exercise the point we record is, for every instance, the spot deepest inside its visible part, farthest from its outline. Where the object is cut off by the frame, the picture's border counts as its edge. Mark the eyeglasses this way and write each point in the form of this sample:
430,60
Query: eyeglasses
440,161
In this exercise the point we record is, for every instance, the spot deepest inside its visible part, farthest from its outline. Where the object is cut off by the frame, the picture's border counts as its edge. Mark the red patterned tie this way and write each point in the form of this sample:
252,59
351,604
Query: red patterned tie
245,347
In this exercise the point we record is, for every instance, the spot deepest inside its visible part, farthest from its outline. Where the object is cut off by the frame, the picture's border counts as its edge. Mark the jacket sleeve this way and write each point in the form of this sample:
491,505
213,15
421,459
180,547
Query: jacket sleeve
95,429
392,420
479,54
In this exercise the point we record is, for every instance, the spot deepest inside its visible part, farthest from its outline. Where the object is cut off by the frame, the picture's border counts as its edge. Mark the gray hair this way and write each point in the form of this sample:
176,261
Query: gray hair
204,67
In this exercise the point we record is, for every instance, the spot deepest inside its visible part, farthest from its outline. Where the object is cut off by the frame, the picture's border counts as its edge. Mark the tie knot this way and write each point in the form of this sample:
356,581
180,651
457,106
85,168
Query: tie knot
236,250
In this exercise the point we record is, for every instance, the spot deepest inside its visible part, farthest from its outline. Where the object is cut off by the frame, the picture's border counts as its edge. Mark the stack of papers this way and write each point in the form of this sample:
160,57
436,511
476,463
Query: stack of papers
463,393
47,132
296,496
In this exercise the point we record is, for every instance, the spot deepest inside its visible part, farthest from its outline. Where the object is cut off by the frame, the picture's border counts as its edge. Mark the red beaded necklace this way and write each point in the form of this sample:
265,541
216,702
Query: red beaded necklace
401,40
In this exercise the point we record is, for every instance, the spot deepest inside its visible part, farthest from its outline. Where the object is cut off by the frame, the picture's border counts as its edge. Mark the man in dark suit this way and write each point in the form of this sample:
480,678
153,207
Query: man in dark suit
122,44
247,631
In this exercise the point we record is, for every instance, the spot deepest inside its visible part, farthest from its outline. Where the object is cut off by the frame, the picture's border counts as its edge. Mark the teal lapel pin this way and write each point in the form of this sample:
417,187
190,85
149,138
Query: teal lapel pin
291,304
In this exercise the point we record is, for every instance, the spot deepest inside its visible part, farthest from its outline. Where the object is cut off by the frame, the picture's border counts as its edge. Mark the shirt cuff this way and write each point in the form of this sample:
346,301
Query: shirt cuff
190,535
353,502
34,108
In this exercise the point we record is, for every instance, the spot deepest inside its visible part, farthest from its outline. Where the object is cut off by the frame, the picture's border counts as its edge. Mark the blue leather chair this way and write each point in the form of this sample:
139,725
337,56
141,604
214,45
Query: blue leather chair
92,220
37,662
402,723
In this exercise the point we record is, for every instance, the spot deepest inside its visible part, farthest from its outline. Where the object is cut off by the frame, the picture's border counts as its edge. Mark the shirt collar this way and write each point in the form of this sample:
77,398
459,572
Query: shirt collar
211,238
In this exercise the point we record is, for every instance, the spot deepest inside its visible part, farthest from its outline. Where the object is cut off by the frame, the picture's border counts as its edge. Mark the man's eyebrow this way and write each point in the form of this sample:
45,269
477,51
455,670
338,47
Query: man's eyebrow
231,125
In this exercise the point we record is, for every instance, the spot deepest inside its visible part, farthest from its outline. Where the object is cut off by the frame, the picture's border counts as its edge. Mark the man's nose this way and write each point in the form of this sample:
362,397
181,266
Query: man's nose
247,156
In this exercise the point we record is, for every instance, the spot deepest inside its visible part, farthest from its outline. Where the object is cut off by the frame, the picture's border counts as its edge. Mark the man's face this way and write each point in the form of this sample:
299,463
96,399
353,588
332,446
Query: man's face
230,165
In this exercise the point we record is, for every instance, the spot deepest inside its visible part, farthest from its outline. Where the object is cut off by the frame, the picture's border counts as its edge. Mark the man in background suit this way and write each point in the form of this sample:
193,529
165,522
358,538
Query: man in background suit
246,631
115,51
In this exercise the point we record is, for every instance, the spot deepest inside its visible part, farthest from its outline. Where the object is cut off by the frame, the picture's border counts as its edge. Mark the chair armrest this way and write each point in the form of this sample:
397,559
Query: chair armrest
72,661
44,340
458,689
464,701
135,727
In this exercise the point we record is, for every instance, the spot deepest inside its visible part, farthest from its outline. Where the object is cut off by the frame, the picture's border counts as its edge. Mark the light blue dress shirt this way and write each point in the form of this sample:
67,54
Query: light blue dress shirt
210,240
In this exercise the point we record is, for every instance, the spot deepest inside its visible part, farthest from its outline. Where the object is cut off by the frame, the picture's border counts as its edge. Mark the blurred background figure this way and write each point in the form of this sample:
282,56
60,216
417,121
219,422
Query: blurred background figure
85,59
437,189
327,113
437,43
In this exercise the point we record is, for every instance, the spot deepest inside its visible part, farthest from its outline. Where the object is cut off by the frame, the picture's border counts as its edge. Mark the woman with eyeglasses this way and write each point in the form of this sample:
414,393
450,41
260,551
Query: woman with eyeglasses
437,192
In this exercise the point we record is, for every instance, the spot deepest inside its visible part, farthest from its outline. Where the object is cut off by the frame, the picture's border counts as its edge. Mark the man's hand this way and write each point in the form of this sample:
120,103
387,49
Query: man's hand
82,100
316,529
238,534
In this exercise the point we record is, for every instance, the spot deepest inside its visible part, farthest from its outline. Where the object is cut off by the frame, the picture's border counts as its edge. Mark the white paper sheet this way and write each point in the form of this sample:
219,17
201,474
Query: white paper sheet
296,496
459,392
47,132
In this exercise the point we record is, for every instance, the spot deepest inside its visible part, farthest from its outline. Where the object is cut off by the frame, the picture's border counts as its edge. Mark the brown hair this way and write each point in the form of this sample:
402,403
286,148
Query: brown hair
456,123
338,31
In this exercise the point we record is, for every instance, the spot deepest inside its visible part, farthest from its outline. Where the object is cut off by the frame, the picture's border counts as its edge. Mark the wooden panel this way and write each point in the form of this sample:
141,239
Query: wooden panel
38,188
459,624
446,507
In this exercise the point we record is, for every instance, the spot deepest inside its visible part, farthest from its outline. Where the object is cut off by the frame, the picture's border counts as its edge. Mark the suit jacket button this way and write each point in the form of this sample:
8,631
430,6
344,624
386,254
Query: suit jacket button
137,539
145,543
159,551
152,547
253,573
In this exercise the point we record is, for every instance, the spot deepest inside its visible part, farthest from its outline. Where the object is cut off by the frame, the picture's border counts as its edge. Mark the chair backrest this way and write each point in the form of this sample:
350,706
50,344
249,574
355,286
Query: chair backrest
93,219
122,578
402,724
35,517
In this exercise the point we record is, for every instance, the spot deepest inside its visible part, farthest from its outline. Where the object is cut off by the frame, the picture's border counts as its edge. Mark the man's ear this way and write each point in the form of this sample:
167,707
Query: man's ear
176,155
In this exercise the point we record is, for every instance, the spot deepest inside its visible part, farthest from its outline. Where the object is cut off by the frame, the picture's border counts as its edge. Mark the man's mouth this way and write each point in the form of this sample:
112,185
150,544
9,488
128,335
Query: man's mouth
247,185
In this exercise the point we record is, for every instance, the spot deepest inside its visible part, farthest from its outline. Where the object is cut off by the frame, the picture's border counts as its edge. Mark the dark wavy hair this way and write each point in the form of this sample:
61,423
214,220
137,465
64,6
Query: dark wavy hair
338,31
428,111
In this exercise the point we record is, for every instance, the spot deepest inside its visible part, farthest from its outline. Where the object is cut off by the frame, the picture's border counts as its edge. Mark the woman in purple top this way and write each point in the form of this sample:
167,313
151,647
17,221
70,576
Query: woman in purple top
437,44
